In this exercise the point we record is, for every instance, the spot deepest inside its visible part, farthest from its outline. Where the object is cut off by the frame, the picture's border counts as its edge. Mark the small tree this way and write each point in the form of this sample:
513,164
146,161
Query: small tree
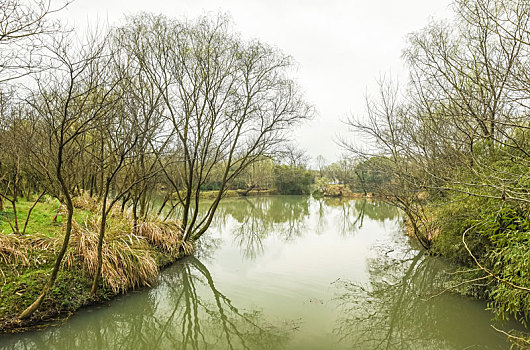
68,102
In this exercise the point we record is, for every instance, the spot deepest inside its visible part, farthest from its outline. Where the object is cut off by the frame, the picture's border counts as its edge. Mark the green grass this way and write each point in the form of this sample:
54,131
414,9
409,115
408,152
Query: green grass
41,219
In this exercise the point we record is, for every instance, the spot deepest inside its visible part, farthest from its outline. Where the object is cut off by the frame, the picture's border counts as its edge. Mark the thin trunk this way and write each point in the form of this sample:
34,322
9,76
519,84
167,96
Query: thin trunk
14,206
423,241
166,199
70,209
135,215
102,227
30,210
124,203
33,307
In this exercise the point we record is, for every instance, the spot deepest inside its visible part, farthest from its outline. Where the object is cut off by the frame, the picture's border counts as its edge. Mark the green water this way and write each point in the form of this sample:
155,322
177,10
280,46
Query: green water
288,273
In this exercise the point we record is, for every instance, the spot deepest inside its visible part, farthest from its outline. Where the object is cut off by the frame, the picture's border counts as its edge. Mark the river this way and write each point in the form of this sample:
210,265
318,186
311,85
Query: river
288,272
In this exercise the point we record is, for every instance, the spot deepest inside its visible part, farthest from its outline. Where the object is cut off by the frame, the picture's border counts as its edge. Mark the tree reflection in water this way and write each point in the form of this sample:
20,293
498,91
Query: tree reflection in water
398,309
260,217
353,212
184,311
287,218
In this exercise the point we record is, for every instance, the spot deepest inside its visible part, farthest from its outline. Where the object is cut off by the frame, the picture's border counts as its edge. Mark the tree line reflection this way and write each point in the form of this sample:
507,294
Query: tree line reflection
288,218
401,307
185,311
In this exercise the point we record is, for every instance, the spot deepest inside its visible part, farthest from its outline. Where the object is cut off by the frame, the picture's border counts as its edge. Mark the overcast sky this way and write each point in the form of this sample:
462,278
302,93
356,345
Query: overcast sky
341,46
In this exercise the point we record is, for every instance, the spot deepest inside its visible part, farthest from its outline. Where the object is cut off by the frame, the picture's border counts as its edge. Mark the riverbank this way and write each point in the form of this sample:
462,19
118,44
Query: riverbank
491,244
131,260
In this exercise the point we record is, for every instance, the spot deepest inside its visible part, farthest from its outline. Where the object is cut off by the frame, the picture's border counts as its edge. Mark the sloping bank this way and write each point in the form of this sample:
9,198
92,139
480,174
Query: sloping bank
131,259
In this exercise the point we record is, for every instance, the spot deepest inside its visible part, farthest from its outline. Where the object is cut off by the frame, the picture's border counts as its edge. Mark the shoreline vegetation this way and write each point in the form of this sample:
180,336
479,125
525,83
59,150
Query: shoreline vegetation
132,258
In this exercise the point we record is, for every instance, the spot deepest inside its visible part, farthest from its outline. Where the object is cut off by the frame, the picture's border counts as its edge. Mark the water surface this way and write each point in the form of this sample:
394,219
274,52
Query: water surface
288,273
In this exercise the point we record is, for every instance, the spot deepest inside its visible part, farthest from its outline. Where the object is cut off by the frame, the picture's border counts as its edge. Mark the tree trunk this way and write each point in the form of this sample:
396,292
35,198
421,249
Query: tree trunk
33,307
102,227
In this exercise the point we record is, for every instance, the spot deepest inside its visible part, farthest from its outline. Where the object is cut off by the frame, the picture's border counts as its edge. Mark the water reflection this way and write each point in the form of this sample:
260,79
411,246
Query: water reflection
185,311
258,218
288,218
353,212
272,259
399,307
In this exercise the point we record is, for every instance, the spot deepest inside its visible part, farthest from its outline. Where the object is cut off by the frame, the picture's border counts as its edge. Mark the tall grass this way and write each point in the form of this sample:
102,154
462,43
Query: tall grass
127,259
129,256
13,250
18,250
166,235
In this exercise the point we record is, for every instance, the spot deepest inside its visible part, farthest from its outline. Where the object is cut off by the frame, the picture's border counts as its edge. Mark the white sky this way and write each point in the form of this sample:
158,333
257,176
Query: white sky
341,46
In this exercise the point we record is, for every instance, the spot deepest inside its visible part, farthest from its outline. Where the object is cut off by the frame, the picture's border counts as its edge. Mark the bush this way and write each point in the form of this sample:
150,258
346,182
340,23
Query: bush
292,180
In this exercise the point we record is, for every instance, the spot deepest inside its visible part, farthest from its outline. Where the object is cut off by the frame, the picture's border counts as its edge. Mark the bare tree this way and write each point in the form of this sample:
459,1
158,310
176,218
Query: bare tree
23,23
228,102
68,102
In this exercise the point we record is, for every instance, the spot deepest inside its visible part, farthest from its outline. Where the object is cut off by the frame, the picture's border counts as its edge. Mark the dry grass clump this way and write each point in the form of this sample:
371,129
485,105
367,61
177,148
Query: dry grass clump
86,202
127,259
17,249
165,235
13,249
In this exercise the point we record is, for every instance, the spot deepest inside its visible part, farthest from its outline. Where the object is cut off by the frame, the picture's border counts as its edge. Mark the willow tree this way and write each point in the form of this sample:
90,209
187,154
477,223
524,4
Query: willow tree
227,102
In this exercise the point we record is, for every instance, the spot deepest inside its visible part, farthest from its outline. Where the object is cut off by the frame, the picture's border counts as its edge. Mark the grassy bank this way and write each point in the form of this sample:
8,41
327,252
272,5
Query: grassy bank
131,259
